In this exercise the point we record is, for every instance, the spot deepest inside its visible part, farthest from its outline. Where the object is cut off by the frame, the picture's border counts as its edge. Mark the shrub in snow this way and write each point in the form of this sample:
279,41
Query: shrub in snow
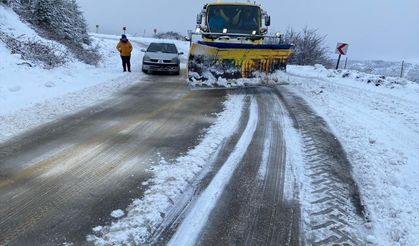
47,55
309,47
88,54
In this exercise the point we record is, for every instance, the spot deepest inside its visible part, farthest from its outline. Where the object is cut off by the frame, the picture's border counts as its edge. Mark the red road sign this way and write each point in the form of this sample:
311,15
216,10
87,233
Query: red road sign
342,49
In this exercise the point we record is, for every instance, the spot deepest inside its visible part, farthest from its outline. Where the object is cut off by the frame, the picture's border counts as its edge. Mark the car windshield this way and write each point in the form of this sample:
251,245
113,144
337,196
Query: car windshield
233,19
162,47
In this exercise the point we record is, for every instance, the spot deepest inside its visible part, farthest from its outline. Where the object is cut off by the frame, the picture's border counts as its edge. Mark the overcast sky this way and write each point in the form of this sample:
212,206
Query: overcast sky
374,29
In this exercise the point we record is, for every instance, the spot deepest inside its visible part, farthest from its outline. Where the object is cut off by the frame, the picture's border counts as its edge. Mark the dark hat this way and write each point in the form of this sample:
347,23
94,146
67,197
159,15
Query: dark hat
124,37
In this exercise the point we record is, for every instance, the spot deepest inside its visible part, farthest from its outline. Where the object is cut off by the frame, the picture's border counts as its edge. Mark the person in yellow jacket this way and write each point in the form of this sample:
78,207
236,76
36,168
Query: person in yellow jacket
125,48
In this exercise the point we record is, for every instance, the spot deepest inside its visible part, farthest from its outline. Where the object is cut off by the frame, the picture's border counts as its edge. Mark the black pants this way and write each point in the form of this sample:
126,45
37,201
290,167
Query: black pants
126,62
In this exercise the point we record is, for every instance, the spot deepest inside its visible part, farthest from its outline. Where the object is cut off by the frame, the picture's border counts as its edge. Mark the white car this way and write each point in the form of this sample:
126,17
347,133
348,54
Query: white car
161,57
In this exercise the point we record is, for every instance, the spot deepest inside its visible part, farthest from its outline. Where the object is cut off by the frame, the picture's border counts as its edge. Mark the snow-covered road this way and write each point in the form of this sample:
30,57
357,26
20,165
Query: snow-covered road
254,189
320,160
350,145
91,156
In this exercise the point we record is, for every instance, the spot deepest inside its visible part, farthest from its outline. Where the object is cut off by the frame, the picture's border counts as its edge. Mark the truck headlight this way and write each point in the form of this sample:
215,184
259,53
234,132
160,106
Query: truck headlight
146,58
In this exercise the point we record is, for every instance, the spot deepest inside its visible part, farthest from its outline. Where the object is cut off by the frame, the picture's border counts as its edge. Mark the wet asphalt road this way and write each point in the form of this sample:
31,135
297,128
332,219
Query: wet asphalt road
62,179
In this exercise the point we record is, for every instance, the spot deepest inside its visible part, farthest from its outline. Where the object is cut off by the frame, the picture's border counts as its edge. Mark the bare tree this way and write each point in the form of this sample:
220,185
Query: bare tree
309,47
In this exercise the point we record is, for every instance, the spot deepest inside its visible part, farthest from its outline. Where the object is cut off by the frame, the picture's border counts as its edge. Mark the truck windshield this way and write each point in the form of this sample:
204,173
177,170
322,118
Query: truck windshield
162,47
233,19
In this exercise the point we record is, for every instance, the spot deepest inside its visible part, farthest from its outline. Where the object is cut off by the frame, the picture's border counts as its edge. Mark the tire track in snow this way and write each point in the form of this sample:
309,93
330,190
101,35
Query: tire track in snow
189,230
379,128
331,204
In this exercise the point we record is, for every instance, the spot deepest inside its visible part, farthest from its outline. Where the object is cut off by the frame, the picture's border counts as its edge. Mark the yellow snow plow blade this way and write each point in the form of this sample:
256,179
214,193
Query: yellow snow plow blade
226,65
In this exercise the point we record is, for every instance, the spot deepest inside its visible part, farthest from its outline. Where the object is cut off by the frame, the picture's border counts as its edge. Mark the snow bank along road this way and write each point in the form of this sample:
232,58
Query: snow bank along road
61,180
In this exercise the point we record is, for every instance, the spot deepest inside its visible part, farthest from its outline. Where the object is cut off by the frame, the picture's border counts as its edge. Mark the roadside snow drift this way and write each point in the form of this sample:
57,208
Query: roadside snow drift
377,120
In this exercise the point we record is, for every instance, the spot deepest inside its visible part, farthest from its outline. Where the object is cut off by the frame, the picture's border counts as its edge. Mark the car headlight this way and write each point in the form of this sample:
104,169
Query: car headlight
146,58
175,59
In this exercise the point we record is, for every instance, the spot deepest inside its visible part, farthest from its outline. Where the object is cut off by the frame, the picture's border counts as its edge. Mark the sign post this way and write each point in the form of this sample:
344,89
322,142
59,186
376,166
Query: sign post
124,29
341,49
97,28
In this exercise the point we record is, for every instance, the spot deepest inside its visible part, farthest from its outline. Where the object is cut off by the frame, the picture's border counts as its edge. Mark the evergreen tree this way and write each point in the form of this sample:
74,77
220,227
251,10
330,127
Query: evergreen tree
44,13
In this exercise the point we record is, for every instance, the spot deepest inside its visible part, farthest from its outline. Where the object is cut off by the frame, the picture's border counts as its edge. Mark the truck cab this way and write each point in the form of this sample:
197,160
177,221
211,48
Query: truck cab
232,21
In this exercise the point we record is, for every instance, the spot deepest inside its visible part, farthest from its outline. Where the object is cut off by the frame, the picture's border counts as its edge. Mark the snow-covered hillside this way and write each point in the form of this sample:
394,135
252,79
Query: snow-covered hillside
388,68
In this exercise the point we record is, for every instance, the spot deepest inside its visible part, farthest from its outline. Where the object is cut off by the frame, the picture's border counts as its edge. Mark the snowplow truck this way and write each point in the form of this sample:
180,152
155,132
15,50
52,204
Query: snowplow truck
232,48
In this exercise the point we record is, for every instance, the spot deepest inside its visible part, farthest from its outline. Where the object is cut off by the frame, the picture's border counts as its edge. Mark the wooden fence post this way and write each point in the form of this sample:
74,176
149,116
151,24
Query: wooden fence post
401,72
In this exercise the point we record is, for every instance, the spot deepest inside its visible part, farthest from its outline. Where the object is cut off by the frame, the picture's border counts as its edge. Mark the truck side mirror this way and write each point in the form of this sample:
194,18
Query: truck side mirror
267,20
199,19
